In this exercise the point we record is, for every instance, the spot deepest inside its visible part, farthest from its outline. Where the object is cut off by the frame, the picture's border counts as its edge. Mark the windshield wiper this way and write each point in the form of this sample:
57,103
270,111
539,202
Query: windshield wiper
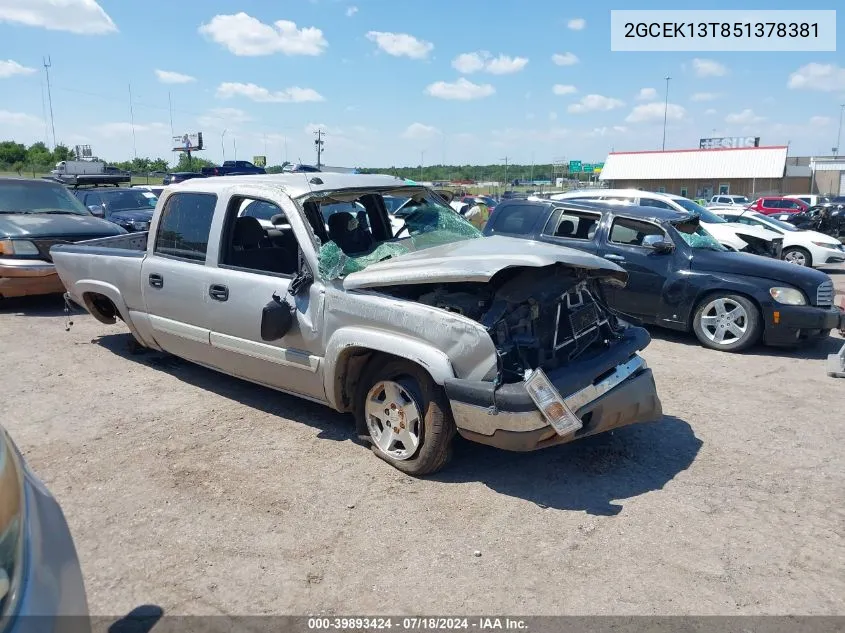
57,212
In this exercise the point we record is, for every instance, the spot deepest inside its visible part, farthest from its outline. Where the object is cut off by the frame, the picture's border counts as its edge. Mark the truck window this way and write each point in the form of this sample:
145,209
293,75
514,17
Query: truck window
517,219
576,225
185,225
252,242
632,232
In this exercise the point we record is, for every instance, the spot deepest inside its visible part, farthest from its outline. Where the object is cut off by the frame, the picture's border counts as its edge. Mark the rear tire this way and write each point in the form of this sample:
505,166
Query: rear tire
798,256
727,322
406,414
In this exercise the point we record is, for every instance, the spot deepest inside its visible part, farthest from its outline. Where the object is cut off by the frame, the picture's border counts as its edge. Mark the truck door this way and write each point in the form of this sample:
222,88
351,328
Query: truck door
647,269
175,279
254,261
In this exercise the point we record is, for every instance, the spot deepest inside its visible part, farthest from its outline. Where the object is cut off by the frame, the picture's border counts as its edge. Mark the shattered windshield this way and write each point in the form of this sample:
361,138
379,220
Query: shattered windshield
354,236
697,236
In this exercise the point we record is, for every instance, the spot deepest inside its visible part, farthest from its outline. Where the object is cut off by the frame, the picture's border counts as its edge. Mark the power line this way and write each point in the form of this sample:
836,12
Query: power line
47,63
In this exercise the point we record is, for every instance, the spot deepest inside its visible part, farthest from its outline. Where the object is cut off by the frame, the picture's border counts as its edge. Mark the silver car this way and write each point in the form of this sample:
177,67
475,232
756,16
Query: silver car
39,571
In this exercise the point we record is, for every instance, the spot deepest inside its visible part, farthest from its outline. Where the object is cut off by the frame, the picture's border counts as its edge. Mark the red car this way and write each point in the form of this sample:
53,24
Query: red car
770,205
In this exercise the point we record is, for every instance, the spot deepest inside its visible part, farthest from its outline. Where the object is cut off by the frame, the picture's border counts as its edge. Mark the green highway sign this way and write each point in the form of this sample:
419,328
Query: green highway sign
598,166
587,168
574,166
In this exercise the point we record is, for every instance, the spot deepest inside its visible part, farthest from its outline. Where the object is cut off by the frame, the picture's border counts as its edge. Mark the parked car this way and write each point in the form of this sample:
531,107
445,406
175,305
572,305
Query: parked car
827,218
737,237
41,587
420,335
769,205
129,208
811,200
805,248
723,200
299,168
180,176
153,189
679,276
233,168
34,215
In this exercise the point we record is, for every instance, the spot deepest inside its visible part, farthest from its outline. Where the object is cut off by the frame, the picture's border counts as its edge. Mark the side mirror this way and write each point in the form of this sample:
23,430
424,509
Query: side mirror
657,243
276,319
97,209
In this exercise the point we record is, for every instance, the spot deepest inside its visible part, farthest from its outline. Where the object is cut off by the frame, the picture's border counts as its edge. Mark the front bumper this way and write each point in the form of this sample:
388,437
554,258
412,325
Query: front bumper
790,325
830,256
23,277
613,390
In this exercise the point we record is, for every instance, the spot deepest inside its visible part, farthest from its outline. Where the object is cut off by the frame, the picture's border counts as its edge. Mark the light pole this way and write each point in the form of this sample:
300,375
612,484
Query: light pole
235,147
422,162
839,133
223,144
665,111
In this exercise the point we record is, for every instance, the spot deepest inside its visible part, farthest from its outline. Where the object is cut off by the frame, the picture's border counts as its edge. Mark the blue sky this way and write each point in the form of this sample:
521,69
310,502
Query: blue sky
393,82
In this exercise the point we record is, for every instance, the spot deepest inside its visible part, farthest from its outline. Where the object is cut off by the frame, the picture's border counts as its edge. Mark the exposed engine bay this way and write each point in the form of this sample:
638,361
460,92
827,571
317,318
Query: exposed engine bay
759,246
543,317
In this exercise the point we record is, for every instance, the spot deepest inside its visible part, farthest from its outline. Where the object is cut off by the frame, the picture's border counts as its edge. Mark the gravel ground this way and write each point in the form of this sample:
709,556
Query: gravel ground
204,494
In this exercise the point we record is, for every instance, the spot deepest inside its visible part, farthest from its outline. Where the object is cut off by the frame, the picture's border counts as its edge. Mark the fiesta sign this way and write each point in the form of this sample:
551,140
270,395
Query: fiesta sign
729,142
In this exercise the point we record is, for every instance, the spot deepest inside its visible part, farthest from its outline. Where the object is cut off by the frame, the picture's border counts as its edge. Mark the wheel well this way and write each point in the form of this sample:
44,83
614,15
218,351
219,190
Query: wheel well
348,369
101,307
806,252
710,293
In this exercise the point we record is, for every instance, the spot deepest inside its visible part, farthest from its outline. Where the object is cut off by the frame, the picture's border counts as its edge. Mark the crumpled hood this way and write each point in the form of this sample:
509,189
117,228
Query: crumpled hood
35,225
477,260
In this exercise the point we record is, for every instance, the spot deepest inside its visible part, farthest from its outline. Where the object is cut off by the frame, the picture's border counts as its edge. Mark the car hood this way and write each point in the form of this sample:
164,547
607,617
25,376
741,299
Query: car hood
815,236
746,229
37,225
776,270
477,260
144,215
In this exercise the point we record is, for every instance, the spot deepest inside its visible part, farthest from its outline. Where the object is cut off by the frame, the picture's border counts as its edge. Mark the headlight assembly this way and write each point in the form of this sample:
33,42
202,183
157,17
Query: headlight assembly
788,296
12,505
17,247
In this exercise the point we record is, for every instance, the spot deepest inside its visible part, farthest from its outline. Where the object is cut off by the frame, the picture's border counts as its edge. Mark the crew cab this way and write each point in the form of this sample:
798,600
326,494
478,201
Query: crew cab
679,276
736,237
420,332
232,168
34,215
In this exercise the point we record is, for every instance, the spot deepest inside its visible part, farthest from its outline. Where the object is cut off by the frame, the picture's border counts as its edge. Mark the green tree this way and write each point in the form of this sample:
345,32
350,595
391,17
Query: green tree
11,152
62,152
195,163
38,154
159,164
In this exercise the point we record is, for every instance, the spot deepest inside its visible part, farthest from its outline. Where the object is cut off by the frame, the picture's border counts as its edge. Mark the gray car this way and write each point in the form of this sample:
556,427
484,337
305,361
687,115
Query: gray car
39,570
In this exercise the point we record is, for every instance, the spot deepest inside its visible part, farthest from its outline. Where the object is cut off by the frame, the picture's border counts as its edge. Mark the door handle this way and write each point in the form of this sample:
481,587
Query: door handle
614,258
156,280
218,292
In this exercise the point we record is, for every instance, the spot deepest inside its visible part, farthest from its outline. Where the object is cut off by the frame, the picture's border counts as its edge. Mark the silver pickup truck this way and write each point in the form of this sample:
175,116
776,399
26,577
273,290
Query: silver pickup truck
300,283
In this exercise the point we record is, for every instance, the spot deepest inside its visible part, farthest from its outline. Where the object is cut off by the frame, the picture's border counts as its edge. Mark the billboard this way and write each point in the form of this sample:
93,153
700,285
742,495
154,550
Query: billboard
259,161
190,142
729,142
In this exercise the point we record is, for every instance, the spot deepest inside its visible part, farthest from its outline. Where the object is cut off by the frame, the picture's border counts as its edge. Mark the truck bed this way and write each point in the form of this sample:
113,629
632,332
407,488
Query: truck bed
128,241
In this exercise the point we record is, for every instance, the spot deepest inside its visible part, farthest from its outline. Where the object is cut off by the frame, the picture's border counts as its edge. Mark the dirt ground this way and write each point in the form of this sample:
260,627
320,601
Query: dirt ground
204,494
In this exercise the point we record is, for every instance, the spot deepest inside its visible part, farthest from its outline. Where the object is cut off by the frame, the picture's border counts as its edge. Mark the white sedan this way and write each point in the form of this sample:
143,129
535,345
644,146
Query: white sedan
805,248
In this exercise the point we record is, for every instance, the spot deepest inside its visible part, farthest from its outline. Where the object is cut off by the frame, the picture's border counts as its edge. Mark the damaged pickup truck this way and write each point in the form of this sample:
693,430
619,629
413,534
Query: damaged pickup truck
420,332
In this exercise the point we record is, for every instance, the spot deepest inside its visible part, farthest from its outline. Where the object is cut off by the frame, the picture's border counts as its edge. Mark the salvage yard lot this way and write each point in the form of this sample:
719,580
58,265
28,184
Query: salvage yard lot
205,494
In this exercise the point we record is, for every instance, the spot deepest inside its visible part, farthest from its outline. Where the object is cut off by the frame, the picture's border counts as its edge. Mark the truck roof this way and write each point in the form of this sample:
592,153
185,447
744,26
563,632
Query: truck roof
294,185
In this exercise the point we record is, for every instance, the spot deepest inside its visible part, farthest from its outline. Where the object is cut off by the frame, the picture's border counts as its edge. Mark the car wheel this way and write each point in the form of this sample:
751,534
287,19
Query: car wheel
727,322
797,255
407,416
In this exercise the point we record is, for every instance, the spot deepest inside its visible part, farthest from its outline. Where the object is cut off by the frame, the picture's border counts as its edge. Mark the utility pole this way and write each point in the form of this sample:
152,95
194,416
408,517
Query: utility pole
170,106
665,112
422,162
838,134
265,146
318,143
132,123
235,147
47,64
506,170
223,144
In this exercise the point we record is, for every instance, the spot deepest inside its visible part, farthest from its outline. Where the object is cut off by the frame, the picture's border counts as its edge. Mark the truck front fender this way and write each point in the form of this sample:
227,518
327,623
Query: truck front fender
349,342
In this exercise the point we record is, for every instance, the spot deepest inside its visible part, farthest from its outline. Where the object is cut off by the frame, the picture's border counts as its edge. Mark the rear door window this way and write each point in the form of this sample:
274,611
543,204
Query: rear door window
517,219
185,225
576,225
632,232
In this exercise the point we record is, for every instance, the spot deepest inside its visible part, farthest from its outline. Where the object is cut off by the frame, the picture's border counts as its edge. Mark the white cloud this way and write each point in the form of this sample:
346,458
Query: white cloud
620,128
704,96
18,119
708,68
223,117
744,117
646,94
10,68
565,59
350,11
420,132
576,24
170,77
647,112
469,63
247,36
710,111
594,103
461,90
401,44
294,94
76,16
820,121
821,77
563,89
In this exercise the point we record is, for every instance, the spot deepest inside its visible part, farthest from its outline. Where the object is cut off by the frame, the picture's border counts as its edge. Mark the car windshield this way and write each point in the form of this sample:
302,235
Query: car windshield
128,200
38,197
740,200
697,237
784,226
352,245
706,215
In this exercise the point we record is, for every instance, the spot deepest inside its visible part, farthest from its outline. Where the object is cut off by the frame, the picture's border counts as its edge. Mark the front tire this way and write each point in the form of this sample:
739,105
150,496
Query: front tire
407,416
798,256
727,322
